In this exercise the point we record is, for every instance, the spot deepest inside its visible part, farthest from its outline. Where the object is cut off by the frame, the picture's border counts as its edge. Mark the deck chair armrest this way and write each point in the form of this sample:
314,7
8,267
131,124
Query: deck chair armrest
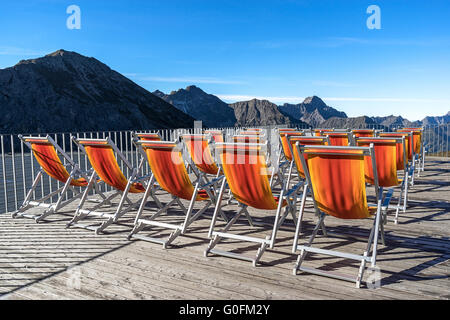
388,197
142,178
293,189
212,182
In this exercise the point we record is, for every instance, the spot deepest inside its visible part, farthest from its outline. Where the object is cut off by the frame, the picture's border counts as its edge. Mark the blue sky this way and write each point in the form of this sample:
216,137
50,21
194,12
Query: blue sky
279,50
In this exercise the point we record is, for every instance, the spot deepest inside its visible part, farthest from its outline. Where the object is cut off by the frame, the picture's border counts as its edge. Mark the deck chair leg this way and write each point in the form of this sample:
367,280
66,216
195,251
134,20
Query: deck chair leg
99,192
217,208
217,238
143,202
25,204
55,208
377,231
190,209
405,195
324,229
83,200
362,268
139,226
260,252
291,165
118,213
300,218
277,219
304,253
247,215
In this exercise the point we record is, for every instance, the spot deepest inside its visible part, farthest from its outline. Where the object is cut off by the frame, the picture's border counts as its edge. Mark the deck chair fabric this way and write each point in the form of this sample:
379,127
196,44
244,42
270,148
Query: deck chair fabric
320,132
336,176
168,169
200,153
386,157
287,129
285,155
419,149
310,141
247,139
246,173
101,155
359,133
148,136
137,136
284,137
45,151
409,149
260,133
342,139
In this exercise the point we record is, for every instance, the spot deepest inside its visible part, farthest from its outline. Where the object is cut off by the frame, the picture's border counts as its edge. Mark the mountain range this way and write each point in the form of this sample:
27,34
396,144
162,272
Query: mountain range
68,92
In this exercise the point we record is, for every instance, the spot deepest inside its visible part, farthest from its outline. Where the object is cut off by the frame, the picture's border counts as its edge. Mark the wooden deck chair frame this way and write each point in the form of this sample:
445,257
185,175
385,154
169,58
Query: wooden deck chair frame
288,197
133,181
189,216
402,183
376,227
72,175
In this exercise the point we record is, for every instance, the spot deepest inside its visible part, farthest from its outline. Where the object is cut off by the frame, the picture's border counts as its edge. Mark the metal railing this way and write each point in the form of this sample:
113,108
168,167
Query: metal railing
18,166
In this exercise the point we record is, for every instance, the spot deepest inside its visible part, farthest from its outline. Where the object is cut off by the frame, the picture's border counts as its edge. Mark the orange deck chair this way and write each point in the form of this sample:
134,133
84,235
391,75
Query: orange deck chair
320,132
388,159
137,136
101,155
200,154
419,149
247,176
342,139
147,136
287,129
358,133
284,154
247,139
261,133
46,150
284,136
168,169
336,176
304,140
408,166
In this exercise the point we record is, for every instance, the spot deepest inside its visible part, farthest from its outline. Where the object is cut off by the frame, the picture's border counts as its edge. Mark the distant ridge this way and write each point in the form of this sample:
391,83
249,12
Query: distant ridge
201,106
260,113
67,92
356,122
312,110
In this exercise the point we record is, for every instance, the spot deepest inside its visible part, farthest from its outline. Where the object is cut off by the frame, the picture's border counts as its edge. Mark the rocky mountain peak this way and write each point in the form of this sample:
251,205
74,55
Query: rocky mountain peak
315,101
78,93
200,105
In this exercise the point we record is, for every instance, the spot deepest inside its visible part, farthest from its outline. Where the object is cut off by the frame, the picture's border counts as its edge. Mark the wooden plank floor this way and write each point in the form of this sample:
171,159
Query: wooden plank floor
48,261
